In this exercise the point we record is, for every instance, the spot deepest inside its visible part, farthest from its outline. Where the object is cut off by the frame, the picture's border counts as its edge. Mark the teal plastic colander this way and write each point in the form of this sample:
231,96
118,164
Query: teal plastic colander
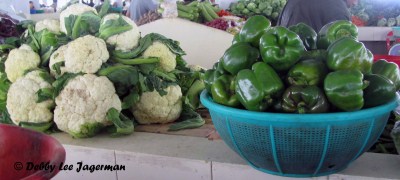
298,145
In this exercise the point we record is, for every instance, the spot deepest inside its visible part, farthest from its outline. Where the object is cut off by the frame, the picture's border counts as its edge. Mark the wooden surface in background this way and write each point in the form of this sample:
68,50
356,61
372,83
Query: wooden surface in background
206,131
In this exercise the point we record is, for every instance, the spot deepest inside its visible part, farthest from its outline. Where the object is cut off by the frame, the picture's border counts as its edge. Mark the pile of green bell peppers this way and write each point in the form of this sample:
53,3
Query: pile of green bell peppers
296,70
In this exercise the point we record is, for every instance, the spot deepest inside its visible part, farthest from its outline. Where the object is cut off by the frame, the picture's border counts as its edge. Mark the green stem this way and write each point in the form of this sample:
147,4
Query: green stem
108,70
105,34
75,28
31,34
163,75
41,127
137,61
6,46
301,107
123,125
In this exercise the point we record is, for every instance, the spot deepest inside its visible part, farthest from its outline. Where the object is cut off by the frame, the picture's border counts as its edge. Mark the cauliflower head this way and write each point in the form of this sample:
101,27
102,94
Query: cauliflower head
160,50
82,105
85,54
154,108
75,9
57,56
124,41
52,25
19,60
22,100
194,67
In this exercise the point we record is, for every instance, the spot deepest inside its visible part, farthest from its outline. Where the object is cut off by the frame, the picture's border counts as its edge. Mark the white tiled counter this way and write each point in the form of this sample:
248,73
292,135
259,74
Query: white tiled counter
151,156
373,33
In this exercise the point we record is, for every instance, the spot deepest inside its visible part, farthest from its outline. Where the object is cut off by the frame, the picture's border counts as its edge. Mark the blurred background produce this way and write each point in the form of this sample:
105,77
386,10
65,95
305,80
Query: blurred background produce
376,13
267,8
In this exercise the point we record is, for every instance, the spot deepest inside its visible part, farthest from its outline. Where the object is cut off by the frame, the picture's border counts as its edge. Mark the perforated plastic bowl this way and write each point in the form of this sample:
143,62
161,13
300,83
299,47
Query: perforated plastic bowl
297,145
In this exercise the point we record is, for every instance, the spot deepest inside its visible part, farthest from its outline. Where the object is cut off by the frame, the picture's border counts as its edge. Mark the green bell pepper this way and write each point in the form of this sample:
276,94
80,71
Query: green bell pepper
348,53
257,88
236,39
239,56
253,29
344,89
223,91
304,99
335,30
281,48
211,75
388,69
307,72
277,106
380,90
318,54
307,35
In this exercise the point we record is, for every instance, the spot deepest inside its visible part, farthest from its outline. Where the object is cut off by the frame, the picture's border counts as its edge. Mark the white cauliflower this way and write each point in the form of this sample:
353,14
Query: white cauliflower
20,60
125,41
52,25
85,54
57,56
194,67
82,105
154,108
22,100
160,50
75,9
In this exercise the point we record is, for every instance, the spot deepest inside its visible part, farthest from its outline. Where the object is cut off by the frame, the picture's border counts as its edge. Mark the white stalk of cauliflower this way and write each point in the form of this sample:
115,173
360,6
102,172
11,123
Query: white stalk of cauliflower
23,105
83,106
52,25
75,9
85,54
154,108
19,61
124,41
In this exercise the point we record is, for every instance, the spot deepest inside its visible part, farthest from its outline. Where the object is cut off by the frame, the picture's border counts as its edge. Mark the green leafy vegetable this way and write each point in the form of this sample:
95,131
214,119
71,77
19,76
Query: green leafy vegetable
57,67
121,74
81,25
122,124
190,119
113,26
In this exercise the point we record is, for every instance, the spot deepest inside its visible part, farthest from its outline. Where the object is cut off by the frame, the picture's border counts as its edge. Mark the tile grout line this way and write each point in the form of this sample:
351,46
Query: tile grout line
211,165
115,162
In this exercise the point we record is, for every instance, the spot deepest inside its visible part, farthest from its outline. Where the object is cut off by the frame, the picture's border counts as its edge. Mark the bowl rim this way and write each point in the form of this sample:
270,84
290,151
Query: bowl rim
246,115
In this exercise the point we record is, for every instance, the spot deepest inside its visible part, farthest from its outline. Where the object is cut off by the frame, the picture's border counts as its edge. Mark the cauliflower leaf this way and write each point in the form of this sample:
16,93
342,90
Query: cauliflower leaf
191,119
83,24
113,26
122,124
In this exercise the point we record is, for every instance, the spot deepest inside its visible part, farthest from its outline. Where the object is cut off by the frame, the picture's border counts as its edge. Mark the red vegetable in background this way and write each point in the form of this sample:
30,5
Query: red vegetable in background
223,13
8,26
219,24
358,21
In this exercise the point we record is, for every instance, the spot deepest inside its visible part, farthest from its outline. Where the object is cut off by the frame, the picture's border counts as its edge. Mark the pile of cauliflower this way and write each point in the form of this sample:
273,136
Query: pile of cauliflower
82,86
